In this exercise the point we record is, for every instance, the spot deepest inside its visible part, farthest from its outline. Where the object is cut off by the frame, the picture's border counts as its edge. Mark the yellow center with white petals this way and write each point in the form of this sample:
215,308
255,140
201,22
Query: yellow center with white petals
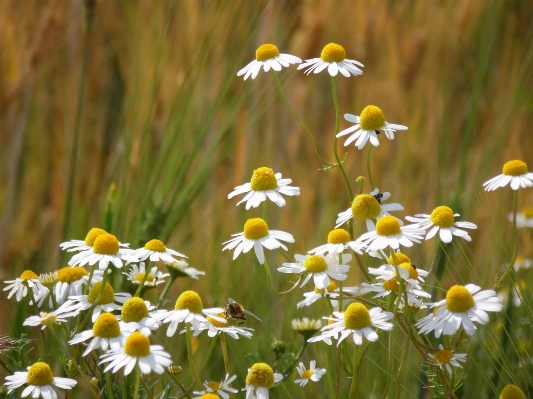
388,226
216,323
459,299
137,345
333,53
315,264
155,246
134,309
48,319
515,168
512,392
106,326
106,244
260,375
372,118
442,216
338,236
27,275
413,273
365,207
255,228
189,300
139,277
263,179
107,297
528,212
40,374
266,52
443,356
356,317
308,374
70,274
400,258
215,386
392,285
331,287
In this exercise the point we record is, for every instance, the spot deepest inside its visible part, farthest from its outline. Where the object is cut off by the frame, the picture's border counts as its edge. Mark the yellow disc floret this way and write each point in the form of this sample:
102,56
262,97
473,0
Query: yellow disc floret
47,319
216,323
392,285
107,297
356,317
92,234
137,345
28,274
372,118
106,326
140,277
189,300
70,274
307,374
266,52
40,374
365,207
333,53
443,356
315,264
528,212
515,168
106,244
388,226
338,236
155,246
400,258
209,396
255,229
260,375
512,392
134,309
413,273
264,179
215,386
442,216
459,299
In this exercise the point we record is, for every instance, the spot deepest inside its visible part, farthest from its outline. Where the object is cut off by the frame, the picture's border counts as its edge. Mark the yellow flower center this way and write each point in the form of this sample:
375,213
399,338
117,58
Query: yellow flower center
40,374
215,386
443,356
210,396
333,53
48,319
260,375
356,317
331,287
400,258
442,216
155,246
266,52
392,285
92,234
134,309
137,345
338,236
372,118
263,179
315,264
106,326
106,244
528,212
255,229
459,299
365,207
27,275
308,374
107,297
189,300
139,277
413,273
515,168
331,321
217,323
512,392
388,226
70,274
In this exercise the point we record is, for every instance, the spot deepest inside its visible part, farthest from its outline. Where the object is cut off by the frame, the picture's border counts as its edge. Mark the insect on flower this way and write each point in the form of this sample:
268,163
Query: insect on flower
234,310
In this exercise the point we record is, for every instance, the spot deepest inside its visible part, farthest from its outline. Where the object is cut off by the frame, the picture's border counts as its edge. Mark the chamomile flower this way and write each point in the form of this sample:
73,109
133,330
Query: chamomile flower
155,250
321,268
333,57
181,268
137,350
446,359
389,233
514,172
139,315
84,245
442,221
313,296
367,127
408,272
511,391
306,327
71,280
106,333
463,306
153,279
367,207
355,321
60,315
312,374
523,218
259,380
267,56
338,241
265,184
232,331
189,309
106,249
256,235
39,378
19,286
222,388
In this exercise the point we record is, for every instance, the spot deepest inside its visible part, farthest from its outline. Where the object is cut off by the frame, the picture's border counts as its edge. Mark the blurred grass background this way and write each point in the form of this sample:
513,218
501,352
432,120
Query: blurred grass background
129,116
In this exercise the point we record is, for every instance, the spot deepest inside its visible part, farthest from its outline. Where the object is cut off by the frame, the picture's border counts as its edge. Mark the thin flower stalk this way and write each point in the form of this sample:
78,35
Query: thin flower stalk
515,242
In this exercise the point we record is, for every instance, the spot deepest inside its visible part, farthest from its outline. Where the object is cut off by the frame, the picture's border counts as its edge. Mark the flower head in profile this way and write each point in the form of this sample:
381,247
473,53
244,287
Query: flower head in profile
105,250
514,172
267,56
106,333
256,235
445,358
222,388
223,328
71,280
367,127
317,293
523,218
181,268
306,327
311,374
137,274
333,57
259,380
155,250
511,391
338,241
389,233
88,243
19,286
60,315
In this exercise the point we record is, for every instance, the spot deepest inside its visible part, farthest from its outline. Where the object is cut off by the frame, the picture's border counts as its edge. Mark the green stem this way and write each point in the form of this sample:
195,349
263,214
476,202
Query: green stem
209,352
95,303
189,355
6,367
515,242
185,391
137,381
265,213
400,369
139,290
109,386
368,166
165,290
290,369
147,389
87,286
353,387
313,390
389,374
226,359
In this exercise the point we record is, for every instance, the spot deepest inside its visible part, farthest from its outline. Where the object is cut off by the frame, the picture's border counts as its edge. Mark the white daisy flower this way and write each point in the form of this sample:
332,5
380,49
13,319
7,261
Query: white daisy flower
383,289
463,306
84,245
313,296
20,285
256,235
367,207
189,309
259,380
137,350
39,378
338,241
106,249
321,268
222,388
180,268
71,280
442,220
355,321
446,359
265,184
312,374
267,56
60,315
153,279
523,218
232,331
139,315
333,57
367,127
408,272
106,333
514,172
307,327
155,250
389,233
